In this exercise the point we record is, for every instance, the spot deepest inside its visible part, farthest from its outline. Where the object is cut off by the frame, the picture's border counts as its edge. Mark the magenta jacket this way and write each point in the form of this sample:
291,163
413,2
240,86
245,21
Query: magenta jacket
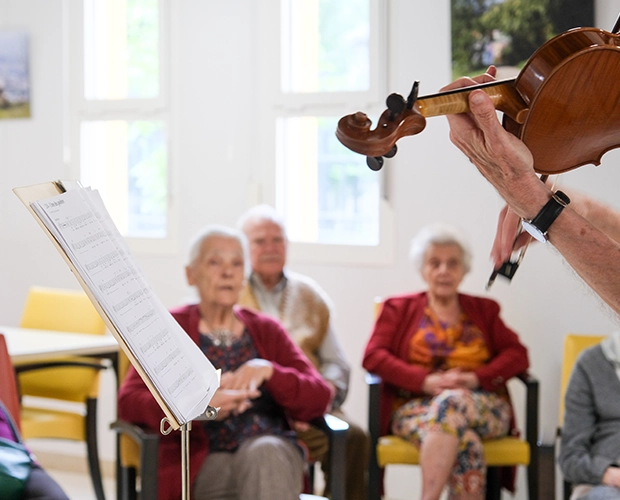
387,350
295,385
6,431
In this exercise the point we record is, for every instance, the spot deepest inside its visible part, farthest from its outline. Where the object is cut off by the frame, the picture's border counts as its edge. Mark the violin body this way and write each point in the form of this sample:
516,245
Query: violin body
564,105
571,87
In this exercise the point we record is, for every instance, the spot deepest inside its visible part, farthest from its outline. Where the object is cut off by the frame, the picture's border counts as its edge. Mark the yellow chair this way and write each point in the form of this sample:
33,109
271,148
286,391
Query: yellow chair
69,379
573,345
137,453
504,452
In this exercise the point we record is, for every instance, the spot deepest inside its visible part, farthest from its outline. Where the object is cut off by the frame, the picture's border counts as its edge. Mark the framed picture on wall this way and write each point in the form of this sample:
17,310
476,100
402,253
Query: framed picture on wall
506,33
14,75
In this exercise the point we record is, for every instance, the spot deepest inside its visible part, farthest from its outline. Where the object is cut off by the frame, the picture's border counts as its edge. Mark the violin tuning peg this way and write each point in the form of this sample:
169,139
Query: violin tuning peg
396,104
392,152
413,95
374,162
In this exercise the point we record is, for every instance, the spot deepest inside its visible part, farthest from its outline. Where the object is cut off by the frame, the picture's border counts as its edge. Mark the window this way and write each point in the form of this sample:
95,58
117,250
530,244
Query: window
328,193
329,65
121,113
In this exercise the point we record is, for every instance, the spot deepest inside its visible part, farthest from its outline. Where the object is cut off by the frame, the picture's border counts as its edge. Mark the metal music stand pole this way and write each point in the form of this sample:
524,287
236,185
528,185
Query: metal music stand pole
185,481
209,414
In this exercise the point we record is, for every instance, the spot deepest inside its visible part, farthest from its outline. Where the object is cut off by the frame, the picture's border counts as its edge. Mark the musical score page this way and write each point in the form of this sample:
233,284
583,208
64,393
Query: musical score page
181,374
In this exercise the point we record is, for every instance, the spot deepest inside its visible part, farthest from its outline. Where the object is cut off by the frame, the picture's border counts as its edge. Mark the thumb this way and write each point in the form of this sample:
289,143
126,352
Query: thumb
483,109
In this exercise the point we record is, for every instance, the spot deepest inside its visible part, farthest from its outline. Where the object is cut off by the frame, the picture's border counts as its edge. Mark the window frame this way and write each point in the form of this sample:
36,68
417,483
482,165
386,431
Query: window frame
274,104
147,109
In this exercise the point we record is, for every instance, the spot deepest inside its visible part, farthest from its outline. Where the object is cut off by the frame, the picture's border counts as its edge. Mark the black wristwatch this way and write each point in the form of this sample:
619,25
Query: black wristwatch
540,224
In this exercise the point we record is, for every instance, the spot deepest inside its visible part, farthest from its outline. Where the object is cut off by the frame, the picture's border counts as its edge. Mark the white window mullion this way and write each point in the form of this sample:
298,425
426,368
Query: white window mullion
120,124
313,172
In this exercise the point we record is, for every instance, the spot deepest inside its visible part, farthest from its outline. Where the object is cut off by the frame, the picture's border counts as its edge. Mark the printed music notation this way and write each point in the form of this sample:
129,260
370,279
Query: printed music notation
178,371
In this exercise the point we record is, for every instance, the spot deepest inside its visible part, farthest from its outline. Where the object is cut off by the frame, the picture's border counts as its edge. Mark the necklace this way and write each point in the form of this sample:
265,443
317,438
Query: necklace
219,336
222,337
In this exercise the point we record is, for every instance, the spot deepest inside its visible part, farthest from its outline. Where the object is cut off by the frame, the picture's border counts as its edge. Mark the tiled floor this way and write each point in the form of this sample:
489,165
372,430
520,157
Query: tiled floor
77,486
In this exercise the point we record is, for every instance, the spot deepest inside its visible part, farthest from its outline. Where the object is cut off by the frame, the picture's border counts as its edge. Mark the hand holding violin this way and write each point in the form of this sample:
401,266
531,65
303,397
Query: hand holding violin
503,159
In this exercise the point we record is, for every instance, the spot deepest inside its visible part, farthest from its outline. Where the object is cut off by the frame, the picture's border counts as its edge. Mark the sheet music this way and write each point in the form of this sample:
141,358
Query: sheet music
183,376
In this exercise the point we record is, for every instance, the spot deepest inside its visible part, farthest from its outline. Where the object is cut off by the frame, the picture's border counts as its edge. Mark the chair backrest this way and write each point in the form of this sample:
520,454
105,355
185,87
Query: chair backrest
573,345
8,384
61,310
66,311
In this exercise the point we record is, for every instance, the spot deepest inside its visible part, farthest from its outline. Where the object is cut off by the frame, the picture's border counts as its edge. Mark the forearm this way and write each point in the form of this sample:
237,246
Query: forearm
334,367
580,234
580,467
597,262
339,378
303,393
601,216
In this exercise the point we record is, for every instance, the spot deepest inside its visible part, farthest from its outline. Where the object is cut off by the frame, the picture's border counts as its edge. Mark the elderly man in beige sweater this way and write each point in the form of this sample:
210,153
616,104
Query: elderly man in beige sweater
305,311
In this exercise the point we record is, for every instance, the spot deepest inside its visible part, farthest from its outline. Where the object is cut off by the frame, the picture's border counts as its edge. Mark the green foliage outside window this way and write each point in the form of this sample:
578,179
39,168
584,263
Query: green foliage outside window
525,25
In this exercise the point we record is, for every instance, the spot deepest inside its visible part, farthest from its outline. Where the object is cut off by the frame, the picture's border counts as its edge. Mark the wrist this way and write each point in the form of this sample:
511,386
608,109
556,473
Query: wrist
526,195
531,204
542,221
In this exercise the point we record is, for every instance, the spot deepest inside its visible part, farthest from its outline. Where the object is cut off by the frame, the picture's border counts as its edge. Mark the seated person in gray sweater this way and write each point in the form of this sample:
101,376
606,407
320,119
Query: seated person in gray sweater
590,445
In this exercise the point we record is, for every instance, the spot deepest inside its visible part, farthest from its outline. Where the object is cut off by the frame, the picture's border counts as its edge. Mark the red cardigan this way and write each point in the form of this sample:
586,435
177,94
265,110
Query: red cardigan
295,385
387,350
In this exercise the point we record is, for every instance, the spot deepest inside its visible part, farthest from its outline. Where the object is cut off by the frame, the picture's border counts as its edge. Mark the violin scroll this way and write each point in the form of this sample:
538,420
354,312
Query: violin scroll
400,119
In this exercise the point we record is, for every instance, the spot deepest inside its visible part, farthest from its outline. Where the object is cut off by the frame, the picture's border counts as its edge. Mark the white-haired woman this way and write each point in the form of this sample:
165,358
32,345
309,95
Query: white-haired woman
444,358
250,451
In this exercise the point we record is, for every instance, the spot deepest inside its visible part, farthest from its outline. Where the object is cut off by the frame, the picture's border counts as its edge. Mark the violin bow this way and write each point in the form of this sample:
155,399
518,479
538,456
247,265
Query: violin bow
509,267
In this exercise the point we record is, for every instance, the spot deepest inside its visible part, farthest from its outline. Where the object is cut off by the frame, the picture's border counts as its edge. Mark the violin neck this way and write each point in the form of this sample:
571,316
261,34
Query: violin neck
503,94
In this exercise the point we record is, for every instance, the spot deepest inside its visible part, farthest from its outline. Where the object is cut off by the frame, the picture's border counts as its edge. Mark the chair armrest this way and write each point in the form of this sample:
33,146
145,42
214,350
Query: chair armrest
531,405
95,364
331,425
374,407
137,433
148,441
336,431
534,473
375,478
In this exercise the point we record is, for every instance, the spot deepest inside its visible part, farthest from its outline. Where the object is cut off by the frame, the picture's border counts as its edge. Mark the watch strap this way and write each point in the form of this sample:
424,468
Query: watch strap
550,211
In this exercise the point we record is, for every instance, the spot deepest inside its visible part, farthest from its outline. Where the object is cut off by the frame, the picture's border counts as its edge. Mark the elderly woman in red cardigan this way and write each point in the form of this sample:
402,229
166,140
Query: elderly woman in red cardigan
444,358
250,451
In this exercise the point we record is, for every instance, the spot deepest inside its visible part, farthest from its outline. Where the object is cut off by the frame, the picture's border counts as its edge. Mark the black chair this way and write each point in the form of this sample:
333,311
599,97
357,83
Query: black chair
138,458
137,454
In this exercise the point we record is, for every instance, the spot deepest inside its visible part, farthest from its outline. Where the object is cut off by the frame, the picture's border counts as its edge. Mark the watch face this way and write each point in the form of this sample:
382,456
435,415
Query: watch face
534,231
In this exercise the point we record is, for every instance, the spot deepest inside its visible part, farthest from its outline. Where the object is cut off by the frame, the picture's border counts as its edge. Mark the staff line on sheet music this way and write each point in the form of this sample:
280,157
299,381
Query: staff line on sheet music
76,221
101,261
78,245
163,364
124,303
141,320
153,340
117,279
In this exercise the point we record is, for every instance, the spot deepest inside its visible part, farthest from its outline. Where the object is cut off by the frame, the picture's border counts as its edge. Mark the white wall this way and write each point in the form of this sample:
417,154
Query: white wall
213,70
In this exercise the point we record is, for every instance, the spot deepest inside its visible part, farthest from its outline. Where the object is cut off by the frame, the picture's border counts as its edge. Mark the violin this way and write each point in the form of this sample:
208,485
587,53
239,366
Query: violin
564,105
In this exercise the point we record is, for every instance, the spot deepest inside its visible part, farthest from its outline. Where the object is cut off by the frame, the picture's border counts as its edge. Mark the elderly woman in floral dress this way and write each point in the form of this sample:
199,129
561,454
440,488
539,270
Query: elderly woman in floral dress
445,358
